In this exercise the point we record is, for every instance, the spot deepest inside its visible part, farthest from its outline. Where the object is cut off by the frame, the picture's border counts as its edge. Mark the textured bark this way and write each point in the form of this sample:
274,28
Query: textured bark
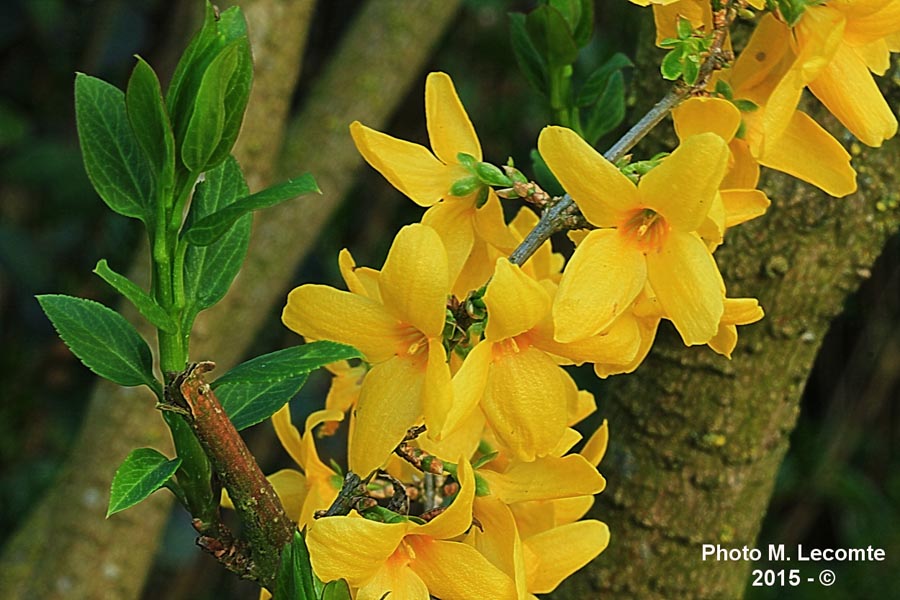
695,440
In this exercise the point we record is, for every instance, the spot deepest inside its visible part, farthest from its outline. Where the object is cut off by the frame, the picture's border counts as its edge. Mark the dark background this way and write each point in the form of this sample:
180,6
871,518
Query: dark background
838,488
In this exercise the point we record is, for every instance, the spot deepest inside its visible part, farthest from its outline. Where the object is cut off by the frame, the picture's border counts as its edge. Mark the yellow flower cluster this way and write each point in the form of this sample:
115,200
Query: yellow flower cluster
832,50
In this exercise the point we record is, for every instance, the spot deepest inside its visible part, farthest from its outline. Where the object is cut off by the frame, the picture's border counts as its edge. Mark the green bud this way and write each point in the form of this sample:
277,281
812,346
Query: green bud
491,175
482,488
467,160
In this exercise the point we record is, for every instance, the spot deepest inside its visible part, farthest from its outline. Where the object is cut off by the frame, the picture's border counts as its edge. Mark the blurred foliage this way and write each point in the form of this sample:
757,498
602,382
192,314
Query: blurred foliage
838,488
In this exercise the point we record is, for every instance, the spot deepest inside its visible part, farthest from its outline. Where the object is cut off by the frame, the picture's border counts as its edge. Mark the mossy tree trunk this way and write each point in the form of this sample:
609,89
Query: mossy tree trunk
696,441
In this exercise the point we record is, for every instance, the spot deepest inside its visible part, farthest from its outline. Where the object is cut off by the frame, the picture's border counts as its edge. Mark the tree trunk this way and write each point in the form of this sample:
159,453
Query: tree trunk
66,548
696,440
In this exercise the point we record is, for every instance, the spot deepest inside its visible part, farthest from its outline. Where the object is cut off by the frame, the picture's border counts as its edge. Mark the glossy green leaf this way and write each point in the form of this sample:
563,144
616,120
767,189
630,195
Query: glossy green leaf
209,229
288,363
144,471
102,339
247,404
218,31
551,36
209,270
584,30
670,67
531,63
149,121
141,300
113,158
609,111
295,580
336,590
254,390
237,94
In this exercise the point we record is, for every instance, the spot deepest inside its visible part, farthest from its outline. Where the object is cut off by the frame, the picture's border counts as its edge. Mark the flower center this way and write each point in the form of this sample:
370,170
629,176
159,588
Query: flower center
646,228
412,343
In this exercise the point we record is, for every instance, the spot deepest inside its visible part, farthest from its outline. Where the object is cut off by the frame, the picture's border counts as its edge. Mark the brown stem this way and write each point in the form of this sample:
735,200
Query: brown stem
259,508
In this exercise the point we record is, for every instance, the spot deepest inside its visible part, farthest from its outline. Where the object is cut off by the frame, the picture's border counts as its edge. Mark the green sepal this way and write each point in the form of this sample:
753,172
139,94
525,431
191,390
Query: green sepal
209,229
143,472
481,199
482,487
150,122
113,159
142,301
465,186
485,459
295,579
102,340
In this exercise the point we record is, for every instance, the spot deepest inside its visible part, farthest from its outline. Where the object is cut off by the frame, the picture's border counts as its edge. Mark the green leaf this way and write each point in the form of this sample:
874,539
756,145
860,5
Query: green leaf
684,28
144,471
585,28
252,391
102,339
149,120
551,36
218,31
207,122
671,68
691,69
744,105
531,63
336,590
209,270
209,229
288,363
237,94
608,112
598,81
295,580
247,404
724,89
113,159
141,300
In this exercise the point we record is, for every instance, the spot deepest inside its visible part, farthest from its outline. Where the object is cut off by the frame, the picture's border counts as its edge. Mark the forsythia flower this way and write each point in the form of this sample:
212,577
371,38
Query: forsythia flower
648,233
399,333
426,178
407,559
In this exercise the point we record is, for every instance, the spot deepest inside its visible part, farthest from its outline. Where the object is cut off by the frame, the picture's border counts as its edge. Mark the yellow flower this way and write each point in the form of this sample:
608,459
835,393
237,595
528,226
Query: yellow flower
648,233
738,311
320,482
407,559
400,335
426,177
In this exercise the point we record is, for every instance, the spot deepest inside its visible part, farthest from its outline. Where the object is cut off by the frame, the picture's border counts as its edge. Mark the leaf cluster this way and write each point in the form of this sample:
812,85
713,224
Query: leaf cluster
686,53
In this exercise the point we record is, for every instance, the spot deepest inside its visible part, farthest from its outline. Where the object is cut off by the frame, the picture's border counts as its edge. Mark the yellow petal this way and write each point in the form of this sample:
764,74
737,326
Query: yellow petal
666,15
390,402
603,276
360,281
498,538
742,311
808,152
847,89
313,465
514,301
394,580
584,406
647,328
569,510
762,61
291,487
456,519
526,402
867,27
700,115
595,448
449,128
724,341
452,219
457,571
324,313
462,441
414,282
352,548
618,343
743,171
468,385
546,478
491,227
683,187
409,167
288,435
876,55
563,550
601,191
743,205
688,286
437,394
